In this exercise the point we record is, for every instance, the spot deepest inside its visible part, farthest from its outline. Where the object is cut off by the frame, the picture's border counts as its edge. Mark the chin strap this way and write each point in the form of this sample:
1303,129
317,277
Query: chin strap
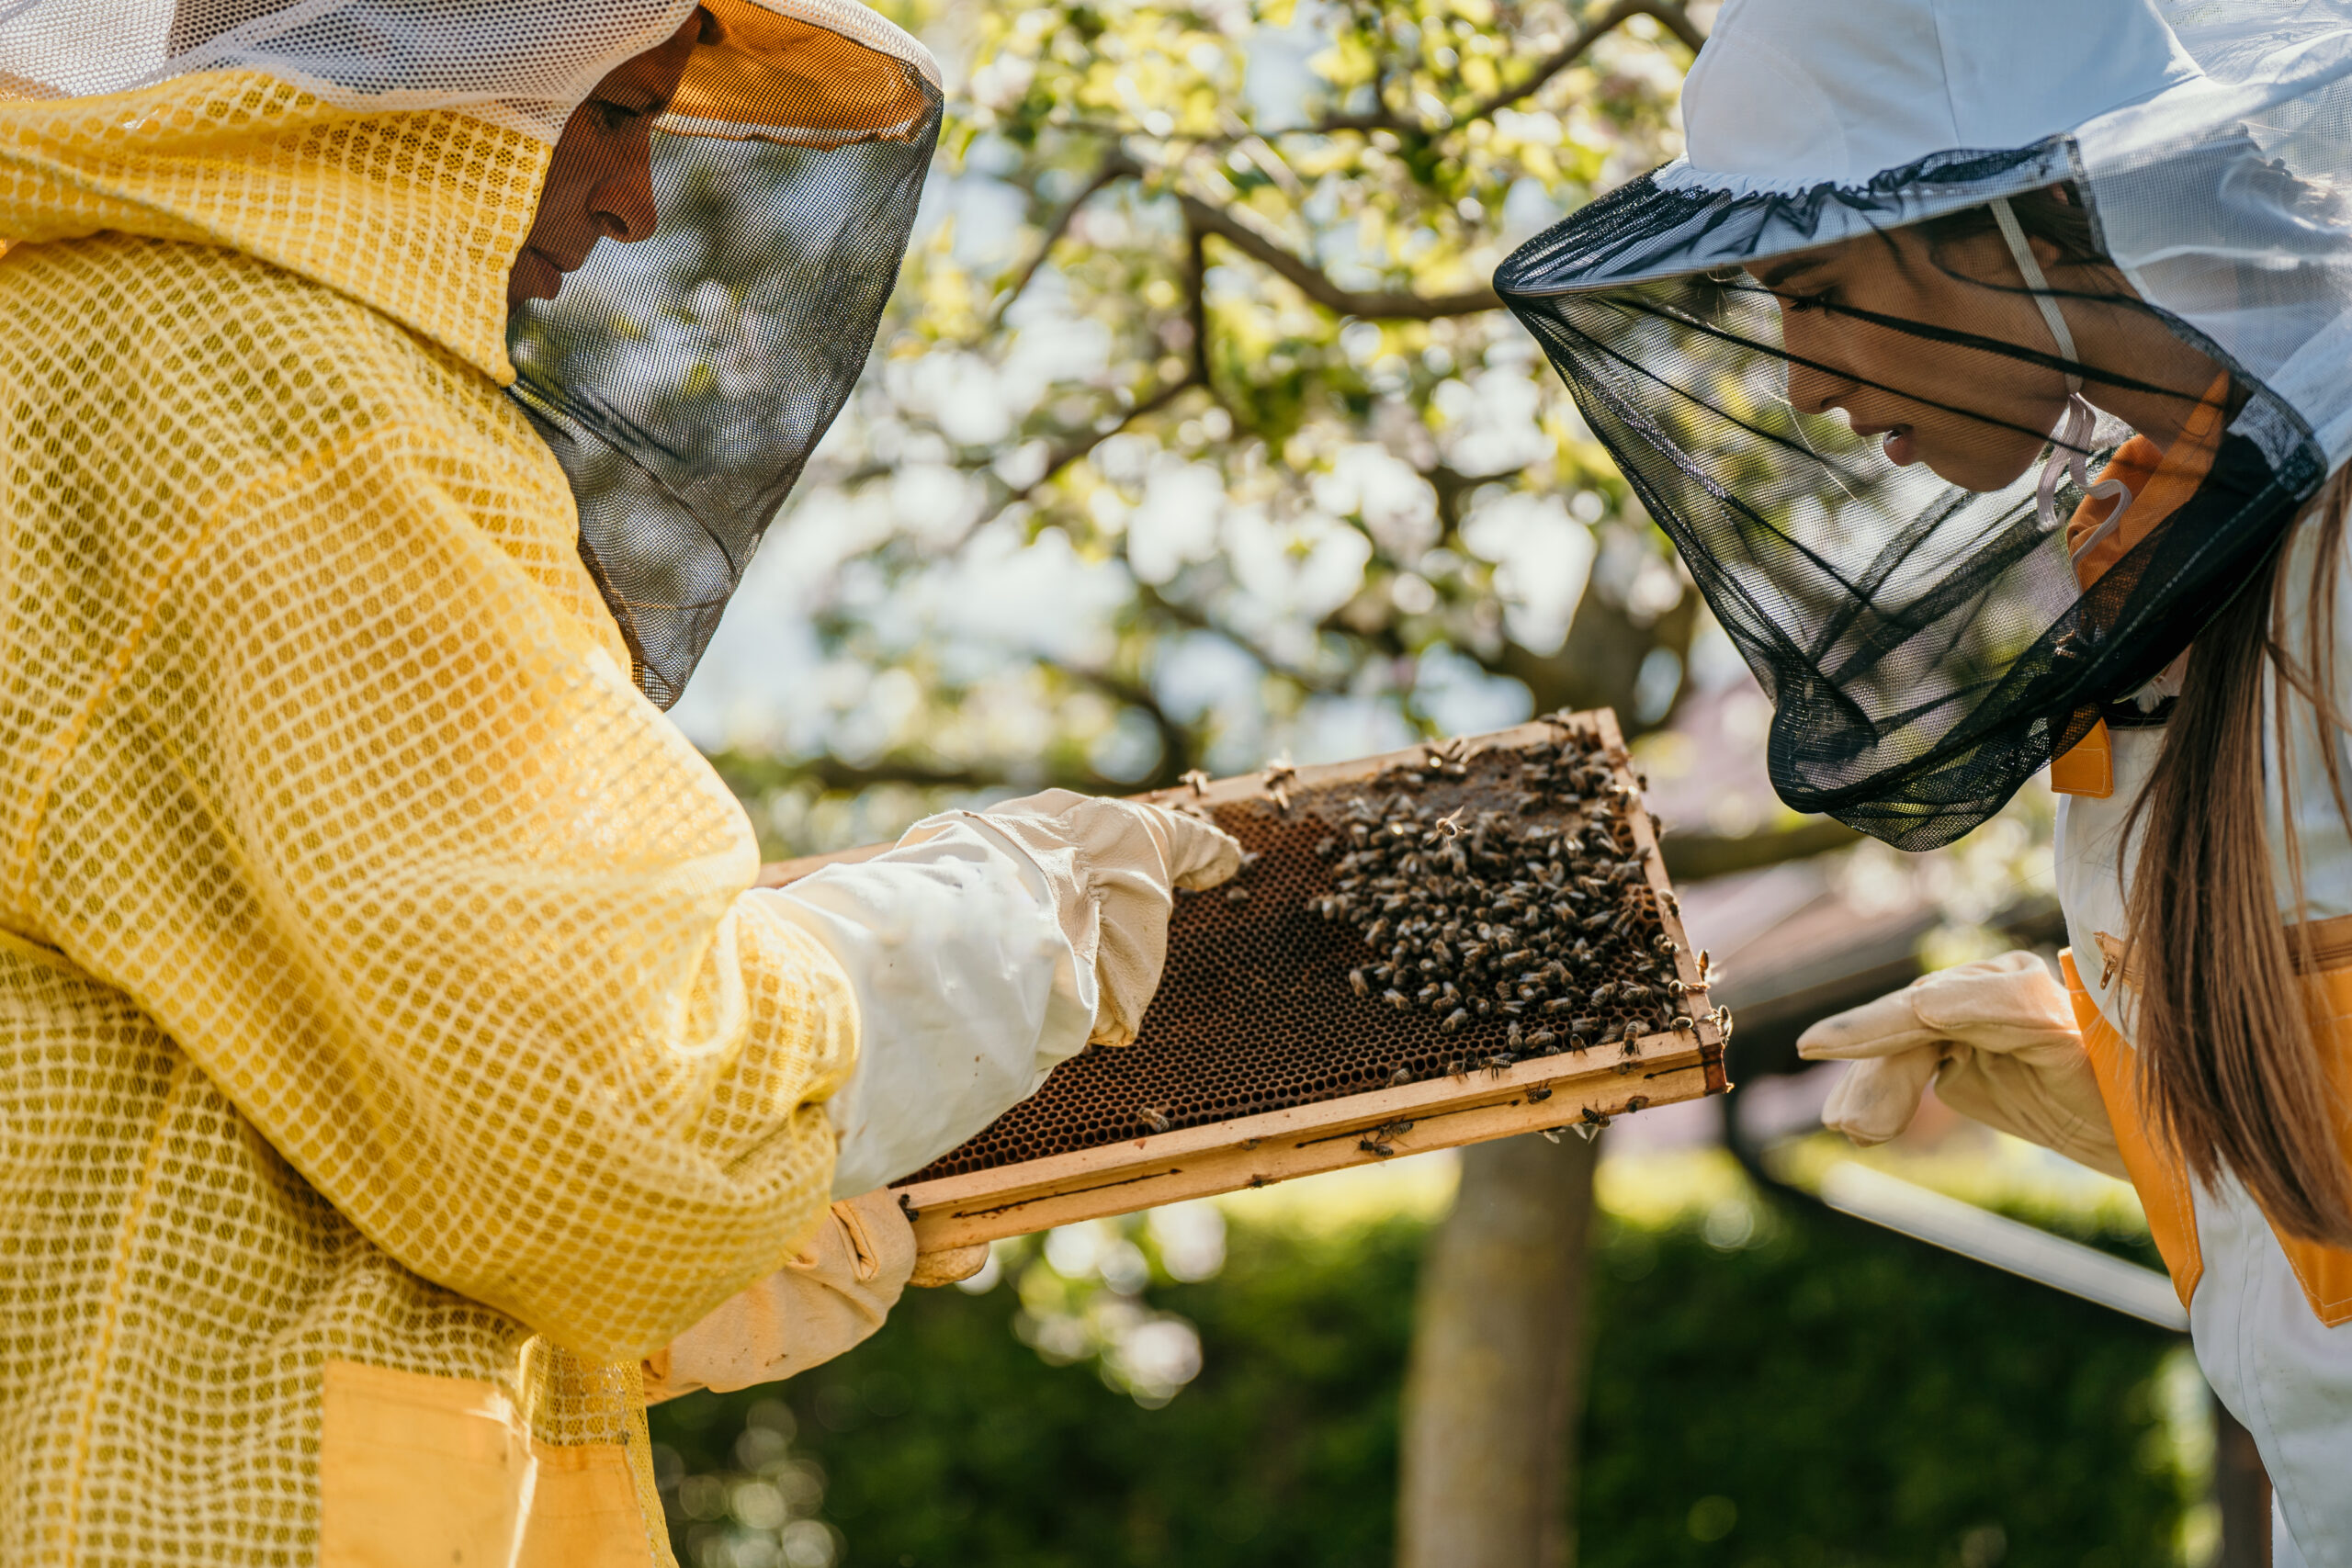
2069,450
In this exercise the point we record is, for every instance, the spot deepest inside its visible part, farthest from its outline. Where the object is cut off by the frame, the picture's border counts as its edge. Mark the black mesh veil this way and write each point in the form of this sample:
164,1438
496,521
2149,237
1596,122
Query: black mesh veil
682,381
1867,457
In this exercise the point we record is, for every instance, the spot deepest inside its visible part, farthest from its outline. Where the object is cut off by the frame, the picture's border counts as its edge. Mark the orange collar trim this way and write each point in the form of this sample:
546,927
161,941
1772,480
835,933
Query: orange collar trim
2160,481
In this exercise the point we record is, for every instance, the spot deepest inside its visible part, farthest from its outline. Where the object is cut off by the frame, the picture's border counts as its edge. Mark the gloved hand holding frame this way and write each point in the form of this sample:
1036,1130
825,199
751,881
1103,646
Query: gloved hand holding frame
1260,1060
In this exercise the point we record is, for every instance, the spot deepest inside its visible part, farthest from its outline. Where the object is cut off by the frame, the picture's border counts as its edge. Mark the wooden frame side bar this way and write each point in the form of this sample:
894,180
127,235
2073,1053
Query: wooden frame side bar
1302,1140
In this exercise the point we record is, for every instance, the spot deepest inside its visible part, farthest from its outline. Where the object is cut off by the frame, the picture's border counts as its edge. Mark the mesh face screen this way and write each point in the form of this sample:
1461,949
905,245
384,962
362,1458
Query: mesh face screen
1869,458
1256,1010
682,381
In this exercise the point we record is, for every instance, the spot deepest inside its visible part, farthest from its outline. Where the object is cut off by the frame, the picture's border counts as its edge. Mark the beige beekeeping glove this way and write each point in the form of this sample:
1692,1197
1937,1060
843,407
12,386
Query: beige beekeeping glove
1998,1039
1113,867
822,1302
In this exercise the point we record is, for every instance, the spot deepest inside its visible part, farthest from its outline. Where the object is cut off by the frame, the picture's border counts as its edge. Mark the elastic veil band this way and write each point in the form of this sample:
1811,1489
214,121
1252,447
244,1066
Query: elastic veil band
2069,448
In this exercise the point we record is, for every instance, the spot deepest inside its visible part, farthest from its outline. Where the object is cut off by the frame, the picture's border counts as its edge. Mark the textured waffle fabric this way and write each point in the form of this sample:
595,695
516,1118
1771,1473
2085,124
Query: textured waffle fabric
377,983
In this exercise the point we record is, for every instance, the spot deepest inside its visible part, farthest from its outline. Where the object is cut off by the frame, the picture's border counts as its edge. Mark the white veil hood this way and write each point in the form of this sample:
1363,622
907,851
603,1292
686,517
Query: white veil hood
1928,646
681,380
525,64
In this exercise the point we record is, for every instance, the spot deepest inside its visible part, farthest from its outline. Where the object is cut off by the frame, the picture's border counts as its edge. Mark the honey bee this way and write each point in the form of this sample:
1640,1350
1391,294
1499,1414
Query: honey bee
1154,1117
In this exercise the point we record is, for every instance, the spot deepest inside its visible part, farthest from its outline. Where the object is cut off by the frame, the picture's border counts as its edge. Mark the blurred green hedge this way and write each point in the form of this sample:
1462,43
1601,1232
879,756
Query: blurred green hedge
1793,1390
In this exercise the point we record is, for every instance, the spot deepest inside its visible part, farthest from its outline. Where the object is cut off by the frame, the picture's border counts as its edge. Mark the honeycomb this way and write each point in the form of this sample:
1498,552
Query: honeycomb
1270,999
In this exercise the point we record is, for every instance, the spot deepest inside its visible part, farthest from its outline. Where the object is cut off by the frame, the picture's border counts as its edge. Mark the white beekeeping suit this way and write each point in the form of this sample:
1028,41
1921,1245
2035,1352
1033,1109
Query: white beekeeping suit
1972,357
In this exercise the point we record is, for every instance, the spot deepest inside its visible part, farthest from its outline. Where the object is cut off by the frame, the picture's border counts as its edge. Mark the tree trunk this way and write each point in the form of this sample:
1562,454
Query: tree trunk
1497,1375
2243,1490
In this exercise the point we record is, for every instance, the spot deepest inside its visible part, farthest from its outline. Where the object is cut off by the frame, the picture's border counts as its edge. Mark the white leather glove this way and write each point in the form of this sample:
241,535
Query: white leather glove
822,1302
1998,1039
968,991
1113,867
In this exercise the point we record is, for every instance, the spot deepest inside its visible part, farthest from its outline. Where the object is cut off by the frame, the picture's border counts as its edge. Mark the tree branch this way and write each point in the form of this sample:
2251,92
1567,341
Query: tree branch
1178,747
1318,286
1196,304
1184,615
1693,856
1117,165
750,773
1062,456
1196,374
1667,11
1677,20
1669,14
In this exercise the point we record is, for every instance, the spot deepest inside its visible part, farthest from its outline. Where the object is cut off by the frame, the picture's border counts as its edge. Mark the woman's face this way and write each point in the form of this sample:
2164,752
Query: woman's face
1977,417
600,181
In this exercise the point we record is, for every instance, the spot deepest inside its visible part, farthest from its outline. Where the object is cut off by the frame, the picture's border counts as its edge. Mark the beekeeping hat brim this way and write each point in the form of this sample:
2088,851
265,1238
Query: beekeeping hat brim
807,73
1807,125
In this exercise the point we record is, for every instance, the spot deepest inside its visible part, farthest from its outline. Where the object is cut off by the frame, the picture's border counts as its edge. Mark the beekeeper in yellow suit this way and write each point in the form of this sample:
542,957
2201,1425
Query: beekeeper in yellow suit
396,1063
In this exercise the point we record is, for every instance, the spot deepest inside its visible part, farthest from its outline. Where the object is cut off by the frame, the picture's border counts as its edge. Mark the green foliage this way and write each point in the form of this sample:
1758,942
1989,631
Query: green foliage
1198,364
1794,1391
1829,1394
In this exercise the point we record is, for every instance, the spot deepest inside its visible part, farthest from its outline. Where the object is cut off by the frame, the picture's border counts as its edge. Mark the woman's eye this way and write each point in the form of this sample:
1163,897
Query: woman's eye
614,117
1800,303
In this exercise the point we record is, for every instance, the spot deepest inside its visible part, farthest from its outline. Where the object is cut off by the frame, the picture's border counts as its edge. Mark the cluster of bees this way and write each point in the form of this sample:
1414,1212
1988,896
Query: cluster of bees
1548,924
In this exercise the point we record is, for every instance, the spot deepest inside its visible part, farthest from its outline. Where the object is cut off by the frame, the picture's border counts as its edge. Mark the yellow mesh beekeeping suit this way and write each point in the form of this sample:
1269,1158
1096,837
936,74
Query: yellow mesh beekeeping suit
388,1056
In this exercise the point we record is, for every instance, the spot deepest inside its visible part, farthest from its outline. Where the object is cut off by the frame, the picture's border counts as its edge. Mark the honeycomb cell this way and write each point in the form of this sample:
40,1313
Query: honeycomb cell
1257,1009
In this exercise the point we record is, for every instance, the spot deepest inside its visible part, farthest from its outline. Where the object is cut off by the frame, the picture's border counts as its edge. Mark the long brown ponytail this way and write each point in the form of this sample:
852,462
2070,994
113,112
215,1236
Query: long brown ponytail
2225,1026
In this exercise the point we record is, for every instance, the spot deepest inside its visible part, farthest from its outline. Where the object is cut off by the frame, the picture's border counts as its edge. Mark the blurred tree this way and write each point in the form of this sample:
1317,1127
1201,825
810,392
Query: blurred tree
1781,1387
1199,436
1197,432
1496,1372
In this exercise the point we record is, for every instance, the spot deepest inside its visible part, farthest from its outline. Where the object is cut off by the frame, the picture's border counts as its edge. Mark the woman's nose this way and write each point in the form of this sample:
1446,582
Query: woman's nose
1812,389
623,202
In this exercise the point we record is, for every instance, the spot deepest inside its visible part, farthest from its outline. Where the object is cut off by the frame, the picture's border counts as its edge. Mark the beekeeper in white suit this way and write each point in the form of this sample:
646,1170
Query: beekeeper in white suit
1990,364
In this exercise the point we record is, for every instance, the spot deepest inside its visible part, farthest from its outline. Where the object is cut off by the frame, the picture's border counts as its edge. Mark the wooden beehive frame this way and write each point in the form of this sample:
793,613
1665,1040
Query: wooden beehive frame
1541,1093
